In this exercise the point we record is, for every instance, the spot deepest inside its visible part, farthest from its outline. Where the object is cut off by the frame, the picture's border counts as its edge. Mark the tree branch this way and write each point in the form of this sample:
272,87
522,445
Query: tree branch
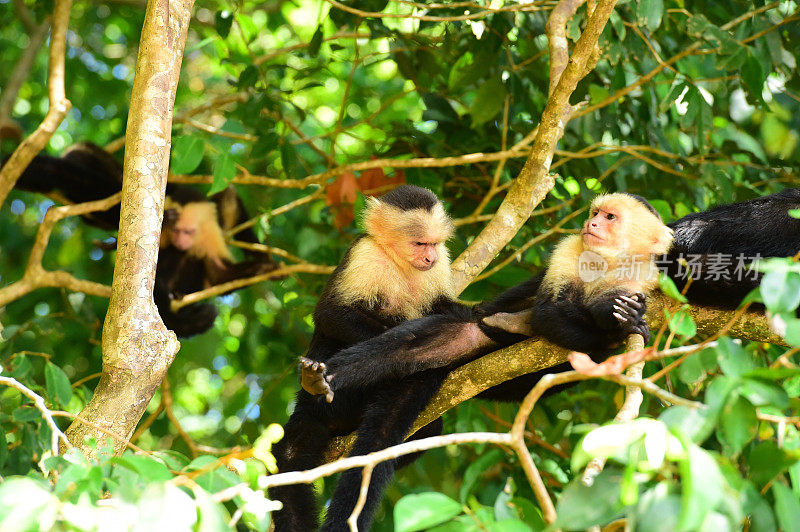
137,347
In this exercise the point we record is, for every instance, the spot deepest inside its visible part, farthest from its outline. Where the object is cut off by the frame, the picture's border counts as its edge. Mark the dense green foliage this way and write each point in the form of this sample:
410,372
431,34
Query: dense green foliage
319,87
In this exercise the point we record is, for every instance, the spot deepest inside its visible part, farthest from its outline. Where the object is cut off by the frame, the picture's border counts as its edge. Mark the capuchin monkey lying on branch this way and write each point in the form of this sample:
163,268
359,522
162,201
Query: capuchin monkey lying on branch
398,271
193,254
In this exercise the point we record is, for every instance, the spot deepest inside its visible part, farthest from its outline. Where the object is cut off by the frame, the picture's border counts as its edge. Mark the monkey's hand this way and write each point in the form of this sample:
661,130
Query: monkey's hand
516,323
312,378
629,311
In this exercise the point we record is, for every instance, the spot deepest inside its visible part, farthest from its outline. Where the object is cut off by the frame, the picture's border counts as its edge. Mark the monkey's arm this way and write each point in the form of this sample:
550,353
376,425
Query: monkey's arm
589,326
413,346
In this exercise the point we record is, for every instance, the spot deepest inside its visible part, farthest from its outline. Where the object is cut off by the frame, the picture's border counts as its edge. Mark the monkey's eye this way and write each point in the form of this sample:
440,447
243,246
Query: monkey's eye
610,216
419,243
594,213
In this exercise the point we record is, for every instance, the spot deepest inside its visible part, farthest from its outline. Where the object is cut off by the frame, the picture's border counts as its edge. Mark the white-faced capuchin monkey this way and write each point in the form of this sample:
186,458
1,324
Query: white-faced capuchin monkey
377,286
193,253
590,298
397,270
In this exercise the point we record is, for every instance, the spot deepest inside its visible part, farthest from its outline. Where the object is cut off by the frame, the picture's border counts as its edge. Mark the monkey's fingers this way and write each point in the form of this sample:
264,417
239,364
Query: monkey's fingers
633,303
517,323
312,378
624,313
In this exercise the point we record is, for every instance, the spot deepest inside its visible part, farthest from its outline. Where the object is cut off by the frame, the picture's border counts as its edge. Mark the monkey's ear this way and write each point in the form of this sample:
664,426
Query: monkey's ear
662,240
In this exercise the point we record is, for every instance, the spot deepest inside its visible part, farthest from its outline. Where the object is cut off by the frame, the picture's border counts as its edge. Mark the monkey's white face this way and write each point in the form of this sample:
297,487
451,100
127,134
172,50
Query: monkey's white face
422,255
182,236
601,229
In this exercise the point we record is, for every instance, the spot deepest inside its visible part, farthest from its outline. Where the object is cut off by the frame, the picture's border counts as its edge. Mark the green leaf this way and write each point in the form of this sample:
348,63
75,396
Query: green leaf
3,447
682,324
787,508
476,469
733,359
289,159
781,290
753,77
650,13
702,485
738,424
224,172
27,504
488,101
187,154
693,423
582,506
761,393
667,286
149,469
767,460
316,42
423,510
26,413
57,383
222,22
211,515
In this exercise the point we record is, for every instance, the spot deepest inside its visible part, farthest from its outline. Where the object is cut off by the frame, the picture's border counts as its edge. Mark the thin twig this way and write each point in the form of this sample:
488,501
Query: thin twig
366,476
38,402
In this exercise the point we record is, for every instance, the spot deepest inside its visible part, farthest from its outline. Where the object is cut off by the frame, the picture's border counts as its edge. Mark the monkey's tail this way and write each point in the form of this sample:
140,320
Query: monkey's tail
81,175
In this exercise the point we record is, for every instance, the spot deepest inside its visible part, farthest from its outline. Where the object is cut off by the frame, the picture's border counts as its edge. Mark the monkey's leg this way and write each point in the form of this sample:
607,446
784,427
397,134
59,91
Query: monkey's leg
386,421
302,447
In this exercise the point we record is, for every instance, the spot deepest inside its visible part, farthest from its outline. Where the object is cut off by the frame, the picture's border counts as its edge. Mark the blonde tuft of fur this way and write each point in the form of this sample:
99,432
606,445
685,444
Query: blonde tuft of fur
376,278
209,242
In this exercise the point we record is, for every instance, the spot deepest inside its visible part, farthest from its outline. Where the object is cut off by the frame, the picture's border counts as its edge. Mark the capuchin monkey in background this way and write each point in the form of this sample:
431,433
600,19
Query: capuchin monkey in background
193,254
399,271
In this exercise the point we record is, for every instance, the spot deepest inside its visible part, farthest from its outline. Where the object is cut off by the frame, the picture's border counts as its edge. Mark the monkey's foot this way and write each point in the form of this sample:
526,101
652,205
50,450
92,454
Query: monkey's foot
629,312
517,323
313,378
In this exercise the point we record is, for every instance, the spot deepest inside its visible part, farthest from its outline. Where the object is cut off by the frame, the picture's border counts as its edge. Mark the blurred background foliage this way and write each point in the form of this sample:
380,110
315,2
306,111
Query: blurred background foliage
292,89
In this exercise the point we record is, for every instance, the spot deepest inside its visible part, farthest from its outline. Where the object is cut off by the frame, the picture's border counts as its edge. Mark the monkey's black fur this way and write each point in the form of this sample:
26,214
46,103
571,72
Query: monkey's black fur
758,227
88,173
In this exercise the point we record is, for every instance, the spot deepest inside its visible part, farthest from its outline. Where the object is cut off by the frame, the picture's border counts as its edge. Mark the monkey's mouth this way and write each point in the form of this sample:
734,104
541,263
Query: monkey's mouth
424,267
592,235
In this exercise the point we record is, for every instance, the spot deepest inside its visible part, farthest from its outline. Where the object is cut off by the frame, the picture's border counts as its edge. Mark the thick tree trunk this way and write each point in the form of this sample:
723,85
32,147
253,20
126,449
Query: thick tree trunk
137,348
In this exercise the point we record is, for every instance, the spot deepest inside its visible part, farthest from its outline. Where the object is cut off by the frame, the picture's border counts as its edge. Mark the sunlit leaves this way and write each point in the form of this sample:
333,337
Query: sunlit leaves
425,510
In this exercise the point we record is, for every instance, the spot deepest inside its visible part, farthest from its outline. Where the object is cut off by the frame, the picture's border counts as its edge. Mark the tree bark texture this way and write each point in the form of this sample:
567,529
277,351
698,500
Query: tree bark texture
137,348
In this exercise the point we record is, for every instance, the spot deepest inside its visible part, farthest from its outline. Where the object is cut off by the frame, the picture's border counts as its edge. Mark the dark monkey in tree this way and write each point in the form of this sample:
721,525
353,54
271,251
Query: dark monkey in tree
398,270
389,390
193,254
719,240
